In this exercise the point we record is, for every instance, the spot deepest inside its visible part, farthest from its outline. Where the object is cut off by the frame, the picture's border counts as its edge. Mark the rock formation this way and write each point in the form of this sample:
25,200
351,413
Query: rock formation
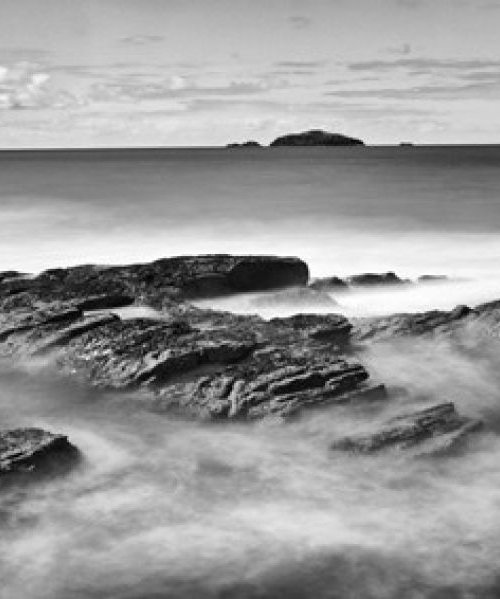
181,277
203,363
373,279
33,451
435,430
329,284
316,137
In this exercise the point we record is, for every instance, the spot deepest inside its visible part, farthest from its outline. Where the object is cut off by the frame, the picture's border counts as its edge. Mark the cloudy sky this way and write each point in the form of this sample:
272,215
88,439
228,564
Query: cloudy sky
205,72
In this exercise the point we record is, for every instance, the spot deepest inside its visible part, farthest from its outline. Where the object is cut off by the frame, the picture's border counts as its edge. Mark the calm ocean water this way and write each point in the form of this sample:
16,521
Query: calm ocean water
344,210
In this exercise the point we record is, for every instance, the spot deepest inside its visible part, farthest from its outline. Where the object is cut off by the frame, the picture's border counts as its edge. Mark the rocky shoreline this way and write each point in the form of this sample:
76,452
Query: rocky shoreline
208,364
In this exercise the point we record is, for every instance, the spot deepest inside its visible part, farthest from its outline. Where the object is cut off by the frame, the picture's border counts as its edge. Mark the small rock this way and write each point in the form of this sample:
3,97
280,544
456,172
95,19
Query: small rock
33,450
329,284
372,279
437,429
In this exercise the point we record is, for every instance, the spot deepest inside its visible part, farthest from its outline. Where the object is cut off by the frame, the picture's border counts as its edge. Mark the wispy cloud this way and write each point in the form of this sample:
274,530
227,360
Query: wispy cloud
449,91
301,64
141,40
422,65
179,86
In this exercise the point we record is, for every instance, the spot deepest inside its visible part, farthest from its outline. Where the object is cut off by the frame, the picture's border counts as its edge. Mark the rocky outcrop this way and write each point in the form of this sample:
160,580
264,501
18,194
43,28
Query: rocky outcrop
216,365
374,279
316,137
404,325
198,362
209,364
169,278
329,284
33,451
435,430
10,275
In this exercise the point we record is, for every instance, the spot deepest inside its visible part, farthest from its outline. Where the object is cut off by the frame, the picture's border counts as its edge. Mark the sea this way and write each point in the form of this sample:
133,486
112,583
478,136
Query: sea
173,509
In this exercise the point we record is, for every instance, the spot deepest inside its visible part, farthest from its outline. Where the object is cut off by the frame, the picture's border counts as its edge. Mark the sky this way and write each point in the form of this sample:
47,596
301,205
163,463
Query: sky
84,73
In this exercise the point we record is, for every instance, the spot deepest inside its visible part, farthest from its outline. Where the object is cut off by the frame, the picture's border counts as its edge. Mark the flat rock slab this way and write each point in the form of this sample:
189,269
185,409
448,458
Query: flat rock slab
180,277
34,451
435,430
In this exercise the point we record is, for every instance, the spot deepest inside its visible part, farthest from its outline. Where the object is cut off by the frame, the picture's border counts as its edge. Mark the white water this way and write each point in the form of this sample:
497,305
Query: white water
167,508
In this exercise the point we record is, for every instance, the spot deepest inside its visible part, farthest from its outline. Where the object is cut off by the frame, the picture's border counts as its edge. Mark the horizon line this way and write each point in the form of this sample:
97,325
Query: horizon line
239,149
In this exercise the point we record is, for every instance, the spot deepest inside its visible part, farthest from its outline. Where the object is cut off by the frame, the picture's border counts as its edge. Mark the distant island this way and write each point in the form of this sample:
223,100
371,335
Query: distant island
314,137
245,144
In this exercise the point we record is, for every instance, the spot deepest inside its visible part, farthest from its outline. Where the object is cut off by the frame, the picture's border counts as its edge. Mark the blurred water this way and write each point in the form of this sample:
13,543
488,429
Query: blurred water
167,508
345,210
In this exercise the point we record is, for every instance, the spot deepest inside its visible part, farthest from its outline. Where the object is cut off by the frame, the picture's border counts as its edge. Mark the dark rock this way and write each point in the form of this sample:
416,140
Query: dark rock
64,336
196,362
332,328
26,319
329,284
205,286
166,279
433,279
35,451
297,297
401,325
372,279
316,137
104,302
438,429
10,275
267,272
275,383
245,144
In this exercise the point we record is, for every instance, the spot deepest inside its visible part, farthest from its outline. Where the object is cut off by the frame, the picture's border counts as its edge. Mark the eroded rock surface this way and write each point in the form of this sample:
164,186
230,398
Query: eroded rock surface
424,323
199,362
209,364
34,451
181,277
435,430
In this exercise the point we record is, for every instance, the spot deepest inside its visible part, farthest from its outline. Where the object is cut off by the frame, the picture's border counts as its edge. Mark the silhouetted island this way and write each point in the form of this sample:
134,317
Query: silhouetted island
245,144
316,137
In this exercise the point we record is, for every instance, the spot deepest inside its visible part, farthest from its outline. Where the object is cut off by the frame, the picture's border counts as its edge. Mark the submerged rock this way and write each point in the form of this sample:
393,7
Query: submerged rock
433,279
438,429
35,451
316,137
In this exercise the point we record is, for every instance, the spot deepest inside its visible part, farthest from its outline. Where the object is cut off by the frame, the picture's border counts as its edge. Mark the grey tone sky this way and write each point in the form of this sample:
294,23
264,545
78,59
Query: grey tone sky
206,72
